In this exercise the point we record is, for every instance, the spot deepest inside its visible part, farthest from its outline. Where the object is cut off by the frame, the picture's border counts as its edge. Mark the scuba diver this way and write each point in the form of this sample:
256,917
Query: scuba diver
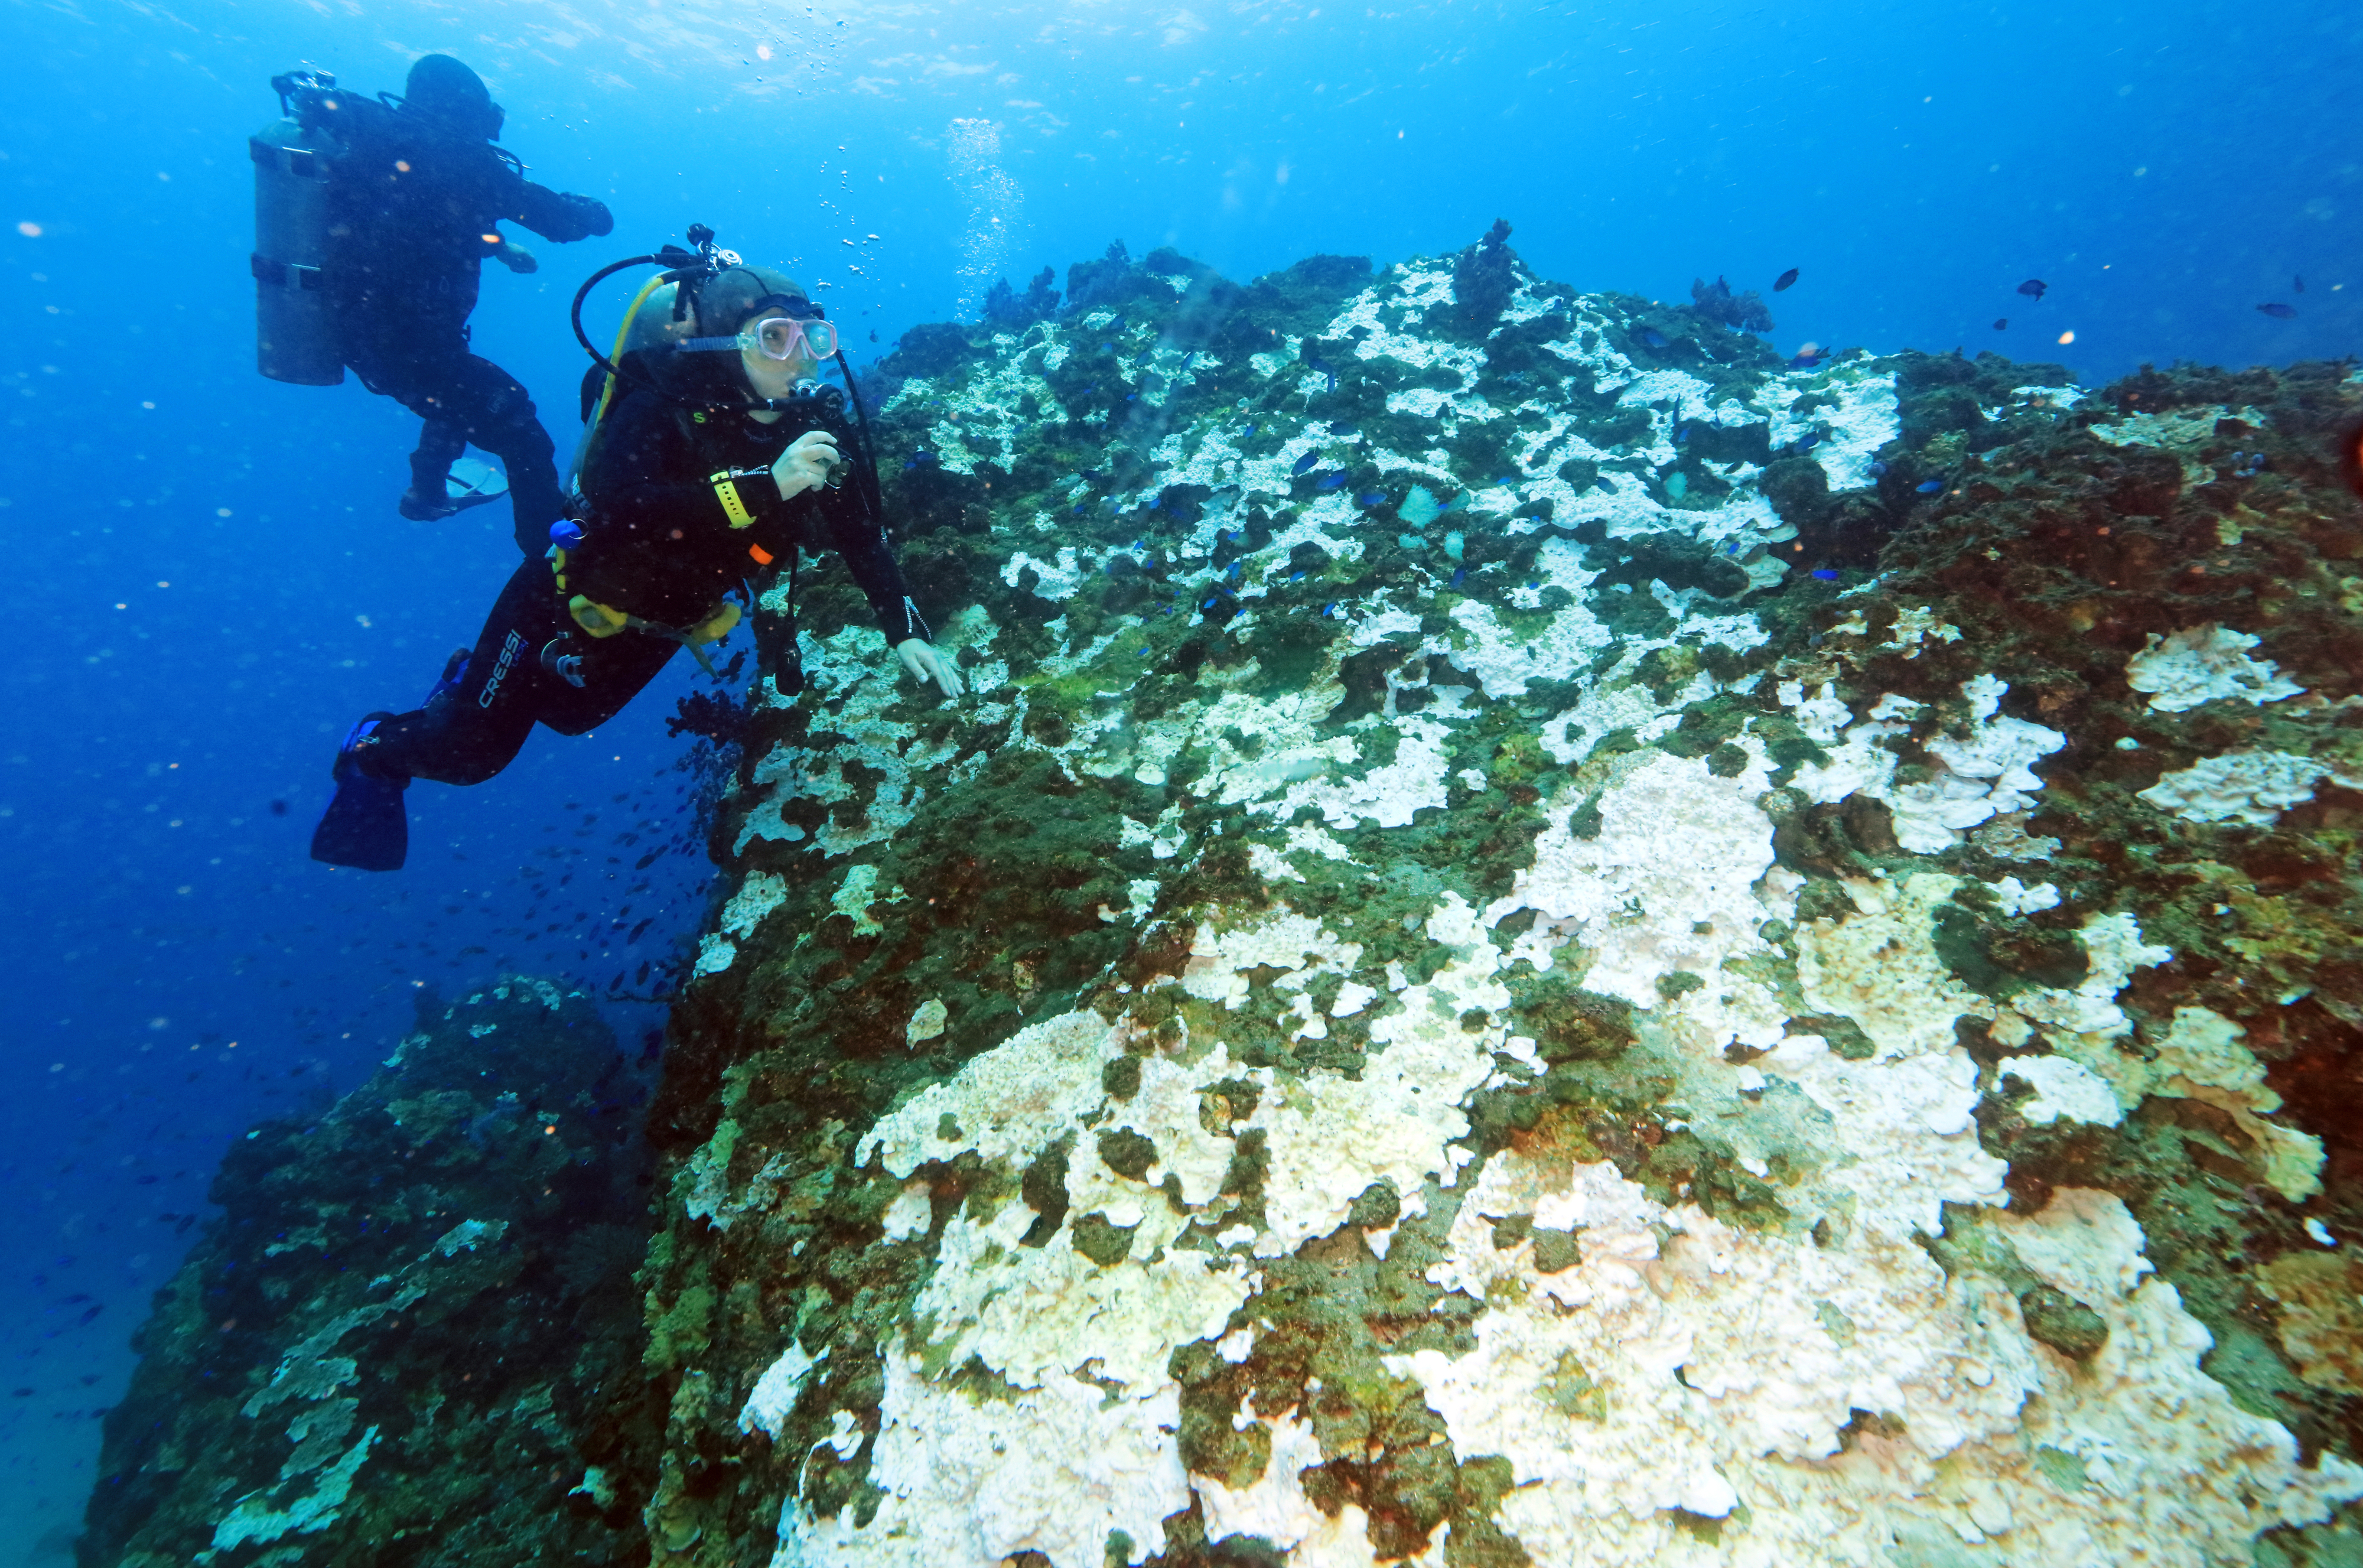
414,188
712,453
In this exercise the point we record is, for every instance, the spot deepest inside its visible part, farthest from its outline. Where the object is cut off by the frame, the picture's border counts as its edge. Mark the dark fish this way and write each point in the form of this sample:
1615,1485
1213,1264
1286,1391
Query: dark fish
2277,310
1375,498
2298,284
1877,470
873,334
2034,288
1343,428
1784,279
1306,461
2002,323
1653,337
1460,575
1929,486
1330,482
1806,361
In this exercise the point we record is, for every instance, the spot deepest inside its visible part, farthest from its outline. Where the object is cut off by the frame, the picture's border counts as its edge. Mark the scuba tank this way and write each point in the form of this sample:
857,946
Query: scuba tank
296,338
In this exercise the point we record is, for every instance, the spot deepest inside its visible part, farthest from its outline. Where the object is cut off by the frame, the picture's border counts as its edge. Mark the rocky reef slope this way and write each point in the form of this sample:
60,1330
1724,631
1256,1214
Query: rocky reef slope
412,1337
1544,940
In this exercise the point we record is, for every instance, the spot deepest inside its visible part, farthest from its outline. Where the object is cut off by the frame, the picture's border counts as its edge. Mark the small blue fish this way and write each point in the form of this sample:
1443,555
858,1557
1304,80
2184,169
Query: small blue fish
1506,481
1306,461
1188,359
1296,576
1131,398
1375,498
1681,434
1825,574
1460,575
1144,650
1248,432
1806,442
1653,337
1330,482
1929,486
1330,608
1107,345
1806,361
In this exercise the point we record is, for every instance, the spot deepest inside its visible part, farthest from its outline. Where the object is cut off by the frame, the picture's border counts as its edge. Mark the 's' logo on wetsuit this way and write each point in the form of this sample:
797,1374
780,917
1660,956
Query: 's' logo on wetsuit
509,651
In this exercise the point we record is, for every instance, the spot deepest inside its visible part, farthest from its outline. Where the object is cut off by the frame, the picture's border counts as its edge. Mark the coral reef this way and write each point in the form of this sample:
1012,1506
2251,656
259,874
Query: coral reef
1533,949
1544,940
412,1336
1717,303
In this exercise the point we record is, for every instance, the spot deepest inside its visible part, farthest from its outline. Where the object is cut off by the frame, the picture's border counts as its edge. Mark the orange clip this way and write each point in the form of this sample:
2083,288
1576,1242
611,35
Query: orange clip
762,557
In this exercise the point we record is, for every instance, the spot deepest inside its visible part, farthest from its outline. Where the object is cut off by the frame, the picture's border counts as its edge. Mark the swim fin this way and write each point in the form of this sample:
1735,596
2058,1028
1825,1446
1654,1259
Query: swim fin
471,483
364,826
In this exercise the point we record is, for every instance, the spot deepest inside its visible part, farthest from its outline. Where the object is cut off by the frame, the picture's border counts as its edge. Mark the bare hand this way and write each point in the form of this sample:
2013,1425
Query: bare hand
805,464
925,660
515,257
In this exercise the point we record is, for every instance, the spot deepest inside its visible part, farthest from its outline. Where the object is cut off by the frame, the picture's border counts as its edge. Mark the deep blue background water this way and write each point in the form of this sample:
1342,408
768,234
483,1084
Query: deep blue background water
208,581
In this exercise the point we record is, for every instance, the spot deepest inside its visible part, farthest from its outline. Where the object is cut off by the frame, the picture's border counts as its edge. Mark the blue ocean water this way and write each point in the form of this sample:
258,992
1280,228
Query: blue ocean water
208,581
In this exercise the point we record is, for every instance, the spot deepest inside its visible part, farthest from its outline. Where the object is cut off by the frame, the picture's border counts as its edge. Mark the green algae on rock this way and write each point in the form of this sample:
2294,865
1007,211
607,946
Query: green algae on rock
405,1340
1444,1001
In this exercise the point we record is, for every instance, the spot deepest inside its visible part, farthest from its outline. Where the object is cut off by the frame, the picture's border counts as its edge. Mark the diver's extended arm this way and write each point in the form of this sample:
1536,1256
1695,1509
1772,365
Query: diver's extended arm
560,215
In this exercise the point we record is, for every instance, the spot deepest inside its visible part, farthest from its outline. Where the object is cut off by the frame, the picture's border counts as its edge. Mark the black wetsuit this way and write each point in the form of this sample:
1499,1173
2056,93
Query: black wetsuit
410,204
649,478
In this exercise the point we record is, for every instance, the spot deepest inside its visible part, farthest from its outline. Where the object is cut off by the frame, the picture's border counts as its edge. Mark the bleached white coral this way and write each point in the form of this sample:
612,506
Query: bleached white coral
2202,663
1684,1365
1667,882
971,1482
2200,1056
2252,787
1986,773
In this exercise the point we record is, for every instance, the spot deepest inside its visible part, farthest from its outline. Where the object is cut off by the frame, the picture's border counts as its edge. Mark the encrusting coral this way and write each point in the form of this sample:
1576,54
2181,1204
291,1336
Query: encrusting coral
1530,947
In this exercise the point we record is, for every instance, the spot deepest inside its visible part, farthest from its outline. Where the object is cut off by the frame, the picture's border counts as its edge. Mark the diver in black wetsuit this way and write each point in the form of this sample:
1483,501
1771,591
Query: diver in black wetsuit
693,485
415,190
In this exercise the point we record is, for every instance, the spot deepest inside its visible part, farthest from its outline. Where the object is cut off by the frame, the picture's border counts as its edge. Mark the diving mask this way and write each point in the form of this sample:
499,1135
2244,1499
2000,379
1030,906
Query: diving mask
777,337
